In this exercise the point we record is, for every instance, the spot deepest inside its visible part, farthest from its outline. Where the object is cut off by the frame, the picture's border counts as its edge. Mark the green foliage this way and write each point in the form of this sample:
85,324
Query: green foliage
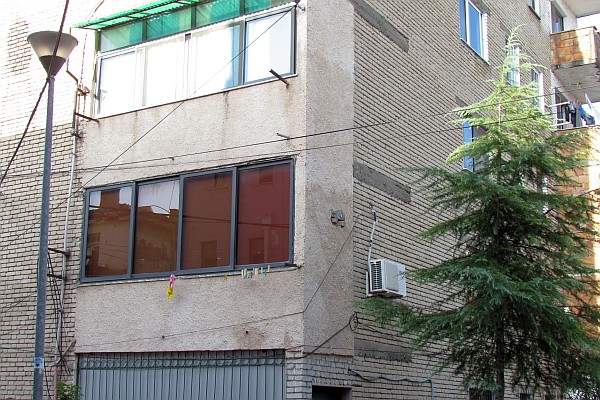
517,282
66,391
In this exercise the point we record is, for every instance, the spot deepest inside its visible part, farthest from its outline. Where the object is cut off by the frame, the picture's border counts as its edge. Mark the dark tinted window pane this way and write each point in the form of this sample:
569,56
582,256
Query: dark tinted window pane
157,216
109,216
207,221
263,215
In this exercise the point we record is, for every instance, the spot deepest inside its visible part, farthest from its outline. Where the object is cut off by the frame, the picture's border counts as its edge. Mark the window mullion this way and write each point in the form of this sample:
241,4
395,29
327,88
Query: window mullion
293,43
234,217
467,23
132,219
180,225
242,54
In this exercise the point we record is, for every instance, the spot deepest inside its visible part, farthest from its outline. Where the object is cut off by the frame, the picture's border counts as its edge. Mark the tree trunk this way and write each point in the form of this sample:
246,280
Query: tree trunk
500,361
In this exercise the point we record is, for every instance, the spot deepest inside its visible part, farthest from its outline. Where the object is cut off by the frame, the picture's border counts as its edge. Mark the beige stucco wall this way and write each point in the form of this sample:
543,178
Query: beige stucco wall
232,128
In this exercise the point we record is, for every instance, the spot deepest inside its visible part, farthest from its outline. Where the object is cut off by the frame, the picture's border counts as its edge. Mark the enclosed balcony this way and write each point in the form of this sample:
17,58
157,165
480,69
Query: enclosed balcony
576,61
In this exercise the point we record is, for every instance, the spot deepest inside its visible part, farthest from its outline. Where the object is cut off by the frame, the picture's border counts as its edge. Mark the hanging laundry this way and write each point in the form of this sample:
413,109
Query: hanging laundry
172,279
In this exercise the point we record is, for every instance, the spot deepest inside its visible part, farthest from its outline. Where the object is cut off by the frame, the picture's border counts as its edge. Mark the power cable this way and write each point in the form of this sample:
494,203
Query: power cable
184,333
52,59
14,154
269,142
102,168
181,102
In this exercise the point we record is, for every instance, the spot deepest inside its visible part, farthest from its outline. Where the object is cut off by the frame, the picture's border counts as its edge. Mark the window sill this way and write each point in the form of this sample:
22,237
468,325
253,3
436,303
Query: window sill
535,13
475,52
227,90
232,273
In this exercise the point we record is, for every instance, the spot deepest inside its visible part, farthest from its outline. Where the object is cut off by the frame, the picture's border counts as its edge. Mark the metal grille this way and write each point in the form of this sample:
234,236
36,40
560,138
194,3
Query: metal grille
243,375
376,278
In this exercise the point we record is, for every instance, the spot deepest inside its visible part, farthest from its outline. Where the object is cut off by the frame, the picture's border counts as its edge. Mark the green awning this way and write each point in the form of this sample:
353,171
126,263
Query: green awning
157,7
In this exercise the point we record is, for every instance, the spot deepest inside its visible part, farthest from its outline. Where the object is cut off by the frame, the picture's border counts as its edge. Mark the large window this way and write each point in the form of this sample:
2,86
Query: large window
513,75
470,134
558,20
135,71
207,221
537,78
473,26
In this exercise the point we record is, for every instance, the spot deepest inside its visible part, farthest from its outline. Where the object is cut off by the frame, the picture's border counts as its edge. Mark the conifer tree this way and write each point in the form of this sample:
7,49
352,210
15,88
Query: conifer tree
517,308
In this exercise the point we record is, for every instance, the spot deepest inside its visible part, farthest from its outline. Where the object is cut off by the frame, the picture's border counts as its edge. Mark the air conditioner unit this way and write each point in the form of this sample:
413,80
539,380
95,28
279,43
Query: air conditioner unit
386,278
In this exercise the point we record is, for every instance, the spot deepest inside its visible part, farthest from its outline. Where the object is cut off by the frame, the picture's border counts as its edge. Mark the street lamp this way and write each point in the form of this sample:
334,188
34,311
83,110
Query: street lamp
53,49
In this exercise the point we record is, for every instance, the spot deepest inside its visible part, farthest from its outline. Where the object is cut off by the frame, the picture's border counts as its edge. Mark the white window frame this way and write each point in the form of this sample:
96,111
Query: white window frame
514,74
535,6
467,22
538,77
185,63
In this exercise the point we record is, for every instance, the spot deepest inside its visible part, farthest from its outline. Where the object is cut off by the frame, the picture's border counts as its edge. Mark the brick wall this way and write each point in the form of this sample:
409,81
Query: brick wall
411,88
19,233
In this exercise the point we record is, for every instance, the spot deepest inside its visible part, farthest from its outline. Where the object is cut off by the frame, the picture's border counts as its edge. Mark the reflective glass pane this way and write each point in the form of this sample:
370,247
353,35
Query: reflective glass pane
121,36
263,215
157,218
268,46
475,29
164,71
214,61
206,233
216,11
116,89
107,244
168,24
468,162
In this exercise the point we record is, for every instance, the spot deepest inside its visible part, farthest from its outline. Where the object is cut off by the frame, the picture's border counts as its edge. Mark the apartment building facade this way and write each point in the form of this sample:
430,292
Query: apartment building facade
224,171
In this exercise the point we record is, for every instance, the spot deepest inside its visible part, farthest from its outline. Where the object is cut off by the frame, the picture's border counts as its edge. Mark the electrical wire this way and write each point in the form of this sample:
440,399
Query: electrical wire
16,151
33,112
180,103
102,168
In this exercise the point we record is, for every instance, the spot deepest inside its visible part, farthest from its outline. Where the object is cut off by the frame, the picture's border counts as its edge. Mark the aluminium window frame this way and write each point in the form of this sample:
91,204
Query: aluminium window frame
232,267
184,92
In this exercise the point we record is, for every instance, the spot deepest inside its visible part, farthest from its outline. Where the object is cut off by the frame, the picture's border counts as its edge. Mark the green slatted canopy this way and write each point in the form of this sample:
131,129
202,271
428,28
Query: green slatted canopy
165,6
157,7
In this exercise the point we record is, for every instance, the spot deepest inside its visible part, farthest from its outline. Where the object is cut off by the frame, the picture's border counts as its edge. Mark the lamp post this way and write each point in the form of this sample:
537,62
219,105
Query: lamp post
44,44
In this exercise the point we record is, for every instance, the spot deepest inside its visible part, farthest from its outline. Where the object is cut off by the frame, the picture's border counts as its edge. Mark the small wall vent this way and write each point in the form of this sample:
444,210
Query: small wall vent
386,278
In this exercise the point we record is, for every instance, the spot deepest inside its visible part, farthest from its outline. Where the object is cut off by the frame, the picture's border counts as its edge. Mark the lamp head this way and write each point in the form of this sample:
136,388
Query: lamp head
43,44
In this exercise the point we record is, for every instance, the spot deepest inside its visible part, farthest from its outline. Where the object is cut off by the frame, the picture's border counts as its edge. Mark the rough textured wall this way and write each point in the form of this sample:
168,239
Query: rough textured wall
403,90
234,127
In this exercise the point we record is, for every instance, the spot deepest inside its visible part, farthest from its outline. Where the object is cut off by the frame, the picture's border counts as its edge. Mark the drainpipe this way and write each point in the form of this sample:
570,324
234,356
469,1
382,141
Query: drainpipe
65,251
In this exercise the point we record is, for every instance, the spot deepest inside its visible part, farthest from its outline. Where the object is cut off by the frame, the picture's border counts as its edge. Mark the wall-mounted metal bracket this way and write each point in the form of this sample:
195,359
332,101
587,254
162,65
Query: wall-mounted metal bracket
281,78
